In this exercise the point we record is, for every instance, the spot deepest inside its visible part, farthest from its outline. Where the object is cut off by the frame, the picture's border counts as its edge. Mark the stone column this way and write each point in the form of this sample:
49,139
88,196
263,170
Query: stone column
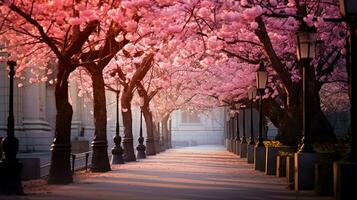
77,105
36,134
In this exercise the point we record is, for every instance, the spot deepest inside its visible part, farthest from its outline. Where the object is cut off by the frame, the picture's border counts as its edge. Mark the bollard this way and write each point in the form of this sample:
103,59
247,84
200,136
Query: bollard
73,159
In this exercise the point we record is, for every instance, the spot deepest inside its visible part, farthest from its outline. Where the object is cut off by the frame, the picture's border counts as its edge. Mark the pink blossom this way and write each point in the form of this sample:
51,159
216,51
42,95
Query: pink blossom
76,21
253,25
131,26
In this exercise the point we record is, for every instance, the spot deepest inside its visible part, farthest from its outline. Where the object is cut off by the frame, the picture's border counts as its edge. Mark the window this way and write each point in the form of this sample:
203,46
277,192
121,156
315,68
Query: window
190,117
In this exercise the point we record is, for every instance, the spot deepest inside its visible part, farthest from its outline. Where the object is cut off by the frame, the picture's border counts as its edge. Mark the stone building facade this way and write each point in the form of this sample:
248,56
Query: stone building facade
35,112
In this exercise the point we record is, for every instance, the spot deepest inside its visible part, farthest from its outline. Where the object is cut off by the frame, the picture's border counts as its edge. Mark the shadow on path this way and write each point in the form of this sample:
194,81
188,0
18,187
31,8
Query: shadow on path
202,172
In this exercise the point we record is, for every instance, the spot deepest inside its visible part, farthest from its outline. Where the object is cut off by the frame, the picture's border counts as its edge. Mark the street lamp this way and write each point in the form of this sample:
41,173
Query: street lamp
141,147
243,144
348,9
261,79
237,140
244,140
306,39
117,151
252,93
10,168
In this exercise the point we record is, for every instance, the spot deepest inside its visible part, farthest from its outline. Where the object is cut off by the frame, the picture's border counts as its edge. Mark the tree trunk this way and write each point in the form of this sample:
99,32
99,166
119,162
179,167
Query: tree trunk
170,134
290,127
128,145
289,130
60,170
100,160
150,145
319,127
156,137
165,131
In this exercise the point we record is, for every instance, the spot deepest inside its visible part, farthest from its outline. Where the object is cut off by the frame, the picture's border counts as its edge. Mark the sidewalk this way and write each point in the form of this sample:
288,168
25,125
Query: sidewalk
208,172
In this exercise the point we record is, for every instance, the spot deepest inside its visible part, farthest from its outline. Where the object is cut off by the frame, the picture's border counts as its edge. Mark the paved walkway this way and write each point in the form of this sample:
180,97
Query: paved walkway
203,172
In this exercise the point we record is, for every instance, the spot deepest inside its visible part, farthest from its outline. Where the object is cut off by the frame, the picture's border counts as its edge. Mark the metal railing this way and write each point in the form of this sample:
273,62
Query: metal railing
78,161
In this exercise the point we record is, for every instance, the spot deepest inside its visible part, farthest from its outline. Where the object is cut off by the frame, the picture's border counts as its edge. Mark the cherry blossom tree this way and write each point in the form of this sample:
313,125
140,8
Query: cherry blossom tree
243,33
213,47
38,32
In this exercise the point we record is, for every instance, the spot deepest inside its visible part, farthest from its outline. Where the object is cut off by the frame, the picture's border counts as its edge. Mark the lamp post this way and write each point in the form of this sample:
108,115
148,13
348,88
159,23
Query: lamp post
259,153
117,151
243,144
306,40
10,168
306,158
141,147
233,137
348,10
252,93
244,140
237,140
261,79
228,131
237,136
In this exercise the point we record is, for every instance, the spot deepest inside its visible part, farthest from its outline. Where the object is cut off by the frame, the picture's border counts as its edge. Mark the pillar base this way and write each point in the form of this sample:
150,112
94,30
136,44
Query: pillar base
100,159
250,153
345,176
270,163
162,146
10,178
304,170
229,146
60,170
259,158
280,166
243,150
117,159
141,155
290,171
129,155
237,147
234,146
141,151
117,155
157,145
150,147
36,136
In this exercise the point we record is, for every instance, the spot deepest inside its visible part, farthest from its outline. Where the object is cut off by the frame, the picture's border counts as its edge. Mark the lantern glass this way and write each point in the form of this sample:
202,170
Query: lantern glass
262,77
305,44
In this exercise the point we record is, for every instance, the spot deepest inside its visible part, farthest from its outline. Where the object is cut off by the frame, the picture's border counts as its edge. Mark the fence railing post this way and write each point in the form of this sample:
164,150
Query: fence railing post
73,160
